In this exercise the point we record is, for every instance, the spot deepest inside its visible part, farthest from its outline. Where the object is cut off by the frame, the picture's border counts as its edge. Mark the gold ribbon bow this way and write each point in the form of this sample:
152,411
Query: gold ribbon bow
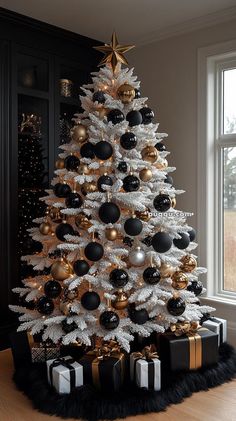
146,354
183,328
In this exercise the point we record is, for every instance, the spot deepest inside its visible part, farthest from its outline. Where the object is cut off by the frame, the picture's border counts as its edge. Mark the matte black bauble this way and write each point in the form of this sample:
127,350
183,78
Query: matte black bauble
151,275
162,202
104,179
147,115
87,150
94,251
99,97
109,213
138,316
118,278
183,242
81,267
137,94
90,300
122,167
52,288
115,116
168,179
103,150
176,306
61,190
196,287
109,320
128,141
62,230
133,226
74,200
192,234
147,241
72,163
45,305
68,327
160,146
131,183
161,242
134,118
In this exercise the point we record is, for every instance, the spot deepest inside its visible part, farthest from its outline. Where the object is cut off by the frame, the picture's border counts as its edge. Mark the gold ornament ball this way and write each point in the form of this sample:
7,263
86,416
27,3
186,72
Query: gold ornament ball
65,307
60,164
179,280
45,228
83,169
143,215
162,164
111,234
88,188
126,93
150,154
61,270
102,111
173,202
121,300
145,174
189,263
82,221
79,133
166,270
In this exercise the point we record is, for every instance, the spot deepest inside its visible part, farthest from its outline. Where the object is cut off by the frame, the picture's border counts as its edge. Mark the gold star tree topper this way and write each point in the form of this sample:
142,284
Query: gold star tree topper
114,52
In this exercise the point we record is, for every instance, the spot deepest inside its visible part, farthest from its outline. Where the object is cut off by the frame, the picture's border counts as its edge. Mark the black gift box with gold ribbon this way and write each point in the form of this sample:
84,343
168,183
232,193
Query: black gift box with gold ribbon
190,351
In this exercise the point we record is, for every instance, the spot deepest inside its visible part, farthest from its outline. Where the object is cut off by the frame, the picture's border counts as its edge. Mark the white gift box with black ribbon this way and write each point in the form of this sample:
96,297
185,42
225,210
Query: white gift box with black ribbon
146,372
219,326
64,374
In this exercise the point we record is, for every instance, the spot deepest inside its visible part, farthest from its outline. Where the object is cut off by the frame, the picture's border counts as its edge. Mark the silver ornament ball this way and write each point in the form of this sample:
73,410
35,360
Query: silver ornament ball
137,257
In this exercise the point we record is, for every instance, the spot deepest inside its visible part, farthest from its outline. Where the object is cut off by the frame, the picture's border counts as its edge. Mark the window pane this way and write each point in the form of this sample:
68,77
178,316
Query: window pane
229,219
230,101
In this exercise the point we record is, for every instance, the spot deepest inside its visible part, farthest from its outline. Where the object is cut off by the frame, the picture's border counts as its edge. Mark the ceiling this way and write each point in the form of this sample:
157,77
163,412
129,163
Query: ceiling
135,21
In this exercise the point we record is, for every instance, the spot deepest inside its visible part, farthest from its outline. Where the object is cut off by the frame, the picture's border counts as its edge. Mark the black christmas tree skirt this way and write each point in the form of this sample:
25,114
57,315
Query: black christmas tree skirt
88,403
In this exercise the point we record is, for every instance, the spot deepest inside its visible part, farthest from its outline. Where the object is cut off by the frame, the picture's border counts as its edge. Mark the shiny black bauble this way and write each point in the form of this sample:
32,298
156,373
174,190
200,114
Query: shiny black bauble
138,316
118,278
131,183
109,320
103,150
104,179
128,141
147,115
160,146
137,94
115,116
161,242
122,167
61,190
99,97
133,226
81,267
87,150
72,163
176,306
168,179
68,327
183,242
90,300
52,288
62,230
151,275
74,200
162,202
196,287
134,118
192,234
94,251
109,213
45,305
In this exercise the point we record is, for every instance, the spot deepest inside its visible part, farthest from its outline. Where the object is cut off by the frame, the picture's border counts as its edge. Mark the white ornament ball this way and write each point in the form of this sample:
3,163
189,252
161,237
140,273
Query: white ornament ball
137,257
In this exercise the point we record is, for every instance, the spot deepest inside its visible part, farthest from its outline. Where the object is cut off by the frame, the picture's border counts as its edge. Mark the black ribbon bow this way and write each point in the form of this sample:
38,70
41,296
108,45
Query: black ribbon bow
65,363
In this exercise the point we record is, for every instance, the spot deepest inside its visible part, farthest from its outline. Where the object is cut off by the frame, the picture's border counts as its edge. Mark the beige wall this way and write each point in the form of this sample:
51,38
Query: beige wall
168,73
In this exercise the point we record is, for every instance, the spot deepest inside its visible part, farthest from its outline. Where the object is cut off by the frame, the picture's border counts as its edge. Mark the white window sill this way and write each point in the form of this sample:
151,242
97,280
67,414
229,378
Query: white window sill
219,300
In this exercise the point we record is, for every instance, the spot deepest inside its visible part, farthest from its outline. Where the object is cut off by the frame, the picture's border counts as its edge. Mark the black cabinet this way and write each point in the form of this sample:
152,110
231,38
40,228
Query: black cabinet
41,70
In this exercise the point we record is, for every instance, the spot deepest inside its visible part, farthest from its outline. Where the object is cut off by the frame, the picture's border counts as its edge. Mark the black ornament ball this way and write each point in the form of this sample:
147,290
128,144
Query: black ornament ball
196,287
94,251
134,118
138,316
99,97
160,146
52,288
162,202
118,278
45,305
151,275
147,115
131,183
183,242
62,230
122,167
103,150
168,179
115,116
176,306
72,163
109,213
90,300
133,226
74,200
192,234
104,179
128,141
137,94
109,320
81,267
62,190
68,327
161,242
87,150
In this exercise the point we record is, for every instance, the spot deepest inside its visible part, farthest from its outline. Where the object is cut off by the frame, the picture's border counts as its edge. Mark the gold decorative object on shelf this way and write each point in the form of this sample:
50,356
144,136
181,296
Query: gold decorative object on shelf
66,87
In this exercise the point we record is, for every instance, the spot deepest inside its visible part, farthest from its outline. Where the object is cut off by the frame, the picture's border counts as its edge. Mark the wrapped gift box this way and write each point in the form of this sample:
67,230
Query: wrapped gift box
145,369
189,351
219,326
64,374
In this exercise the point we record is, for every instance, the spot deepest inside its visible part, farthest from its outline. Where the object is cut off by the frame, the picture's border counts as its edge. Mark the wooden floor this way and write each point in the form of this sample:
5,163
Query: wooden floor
216,404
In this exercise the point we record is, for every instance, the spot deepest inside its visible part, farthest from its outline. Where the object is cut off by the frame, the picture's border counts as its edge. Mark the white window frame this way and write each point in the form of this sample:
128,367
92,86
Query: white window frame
212,61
